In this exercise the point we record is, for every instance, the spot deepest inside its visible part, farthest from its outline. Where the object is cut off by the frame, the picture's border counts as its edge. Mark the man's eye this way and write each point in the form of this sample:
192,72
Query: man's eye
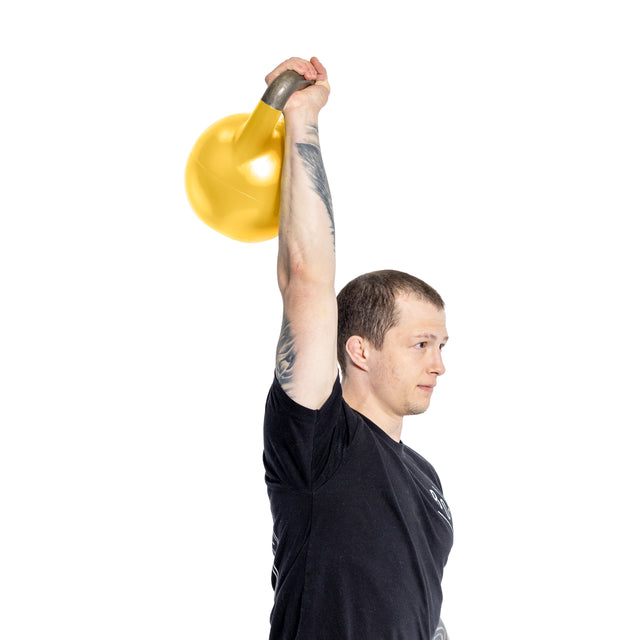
421,345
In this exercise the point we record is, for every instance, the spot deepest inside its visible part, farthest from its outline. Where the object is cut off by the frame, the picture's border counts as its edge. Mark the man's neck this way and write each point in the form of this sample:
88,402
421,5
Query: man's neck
367,404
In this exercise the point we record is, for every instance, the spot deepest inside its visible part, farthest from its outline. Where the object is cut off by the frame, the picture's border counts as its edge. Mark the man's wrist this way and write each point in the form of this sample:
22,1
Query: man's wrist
300,118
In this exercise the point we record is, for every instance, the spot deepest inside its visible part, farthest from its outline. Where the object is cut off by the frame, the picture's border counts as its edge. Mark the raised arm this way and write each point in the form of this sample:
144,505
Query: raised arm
306,360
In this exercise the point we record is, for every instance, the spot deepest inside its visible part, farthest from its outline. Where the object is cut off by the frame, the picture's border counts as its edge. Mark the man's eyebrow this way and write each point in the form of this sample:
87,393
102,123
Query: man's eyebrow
430,336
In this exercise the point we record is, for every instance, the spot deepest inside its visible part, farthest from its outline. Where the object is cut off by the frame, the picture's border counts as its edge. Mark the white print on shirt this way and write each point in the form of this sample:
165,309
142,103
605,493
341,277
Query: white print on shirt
274,547
443,508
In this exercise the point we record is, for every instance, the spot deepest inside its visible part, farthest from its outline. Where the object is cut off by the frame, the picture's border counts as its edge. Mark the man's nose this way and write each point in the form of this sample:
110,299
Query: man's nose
436,365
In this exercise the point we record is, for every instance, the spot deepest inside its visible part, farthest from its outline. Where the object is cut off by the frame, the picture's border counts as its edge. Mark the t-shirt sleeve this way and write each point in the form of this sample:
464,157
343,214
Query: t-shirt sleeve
301,444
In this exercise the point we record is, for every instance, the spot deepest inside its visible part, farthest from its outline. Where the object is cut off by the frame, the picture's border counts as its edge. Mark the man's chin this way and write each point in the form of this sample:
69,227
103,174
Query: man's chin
416,410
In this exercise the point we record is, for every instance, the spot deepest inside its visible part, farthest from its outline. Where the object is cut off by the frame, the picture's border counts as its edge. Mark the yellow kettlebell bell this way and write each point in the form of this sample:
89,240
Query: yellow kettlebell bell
233,171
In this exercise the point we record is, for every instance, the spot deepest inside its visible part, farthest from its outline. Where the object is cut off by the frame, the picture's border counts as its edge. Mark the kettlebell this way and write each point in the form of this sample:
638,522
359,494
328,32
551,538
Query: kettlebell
233,171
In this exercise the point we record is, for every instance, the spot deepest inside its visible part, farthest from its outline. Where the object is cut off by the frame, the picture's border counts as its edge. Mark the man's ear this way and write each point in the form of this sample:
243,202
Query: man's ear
358,350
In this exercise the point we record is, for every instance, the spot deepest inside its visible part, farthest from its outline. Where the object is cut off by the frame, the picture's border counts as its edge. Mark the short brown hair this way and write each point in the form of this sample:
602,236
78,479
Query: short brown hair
367,306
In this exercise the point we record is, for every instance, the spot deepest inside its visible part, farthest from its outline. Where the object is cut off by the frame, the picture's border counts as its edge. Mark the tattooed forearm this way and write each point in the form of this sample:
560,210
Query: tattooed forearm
441,632
310,154
285,355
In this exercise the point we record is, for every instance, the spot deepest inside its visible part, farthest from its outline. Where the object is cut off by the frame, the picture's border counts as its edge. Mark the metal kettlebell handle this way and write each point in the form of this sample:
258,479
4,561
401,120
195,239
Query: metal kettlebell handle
281,89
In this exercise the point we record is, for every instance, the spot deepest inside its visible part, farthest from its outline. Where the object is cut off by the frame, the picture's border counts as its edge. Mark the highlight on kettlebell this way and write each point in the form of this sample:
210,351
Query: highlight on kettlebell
233,171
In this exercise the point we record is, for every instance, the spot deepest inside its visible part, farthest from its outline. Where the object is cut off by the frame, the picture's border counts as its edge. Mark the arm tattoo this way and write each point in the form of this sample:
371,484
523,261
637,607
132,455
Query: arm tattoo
312,158
285,355
441,632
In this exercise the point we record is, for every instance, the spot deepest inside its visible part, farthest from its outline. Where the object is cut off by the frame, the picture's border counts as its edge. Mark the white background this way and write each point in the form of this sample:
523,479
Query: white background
491,148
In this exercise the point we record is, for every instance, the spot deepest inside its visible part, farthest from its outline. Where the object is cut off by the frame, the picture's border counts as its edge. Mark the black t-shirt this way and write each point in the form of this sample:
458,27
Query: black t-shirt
361,530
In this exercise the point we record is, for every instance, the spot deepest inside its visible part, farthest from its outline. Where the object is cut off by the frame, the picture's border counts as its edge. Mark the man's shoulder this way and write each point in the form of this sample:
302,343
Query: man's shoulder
280,400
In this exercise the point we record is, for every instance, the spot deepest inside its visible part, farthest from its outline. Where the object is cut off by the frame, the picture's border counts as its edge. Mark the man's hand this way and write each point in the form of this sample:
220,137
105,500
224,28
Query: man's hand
312,98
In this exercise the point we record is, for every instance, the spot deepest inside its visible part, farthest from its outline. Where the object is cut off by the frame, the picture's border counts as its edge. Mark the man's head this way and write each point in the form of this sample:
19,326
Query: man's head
367,306
391,329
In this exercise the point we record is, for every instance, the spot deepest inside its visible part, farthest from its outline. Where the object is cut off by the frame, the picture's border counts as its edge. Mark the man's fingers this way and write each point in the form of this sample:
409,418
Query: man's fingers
320,70
299,65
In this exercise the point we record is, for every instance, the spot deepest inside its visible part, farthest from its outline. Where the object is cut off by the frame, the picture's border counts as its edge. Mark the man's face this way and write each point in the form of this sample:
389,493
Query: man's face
405,370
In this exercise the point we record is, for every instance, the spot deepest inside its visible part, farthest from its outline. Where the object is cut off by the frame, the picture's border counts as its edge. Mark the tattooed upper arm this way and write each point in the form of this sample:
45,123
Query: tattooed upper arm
306,358
285,355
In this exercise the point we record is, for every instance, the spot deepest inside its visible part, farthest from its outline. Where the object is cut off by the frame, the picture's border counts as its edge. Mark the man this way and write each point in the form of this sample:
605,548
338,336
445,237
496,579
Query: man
361,529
